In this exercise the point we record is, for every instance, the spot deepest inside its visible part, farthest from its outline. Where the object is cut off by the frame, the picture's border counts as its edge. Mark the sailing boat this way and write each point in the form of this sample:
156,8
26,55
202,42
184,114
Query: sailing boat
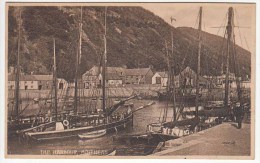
171,93
219,112
16,119
79,124
164,130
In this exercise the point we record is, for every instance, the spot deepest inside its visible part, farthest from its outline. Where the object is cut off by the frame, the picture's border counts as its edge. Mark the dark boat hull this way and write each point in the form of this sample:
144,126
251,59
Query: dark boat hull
163,137
178,98
73,133
12,128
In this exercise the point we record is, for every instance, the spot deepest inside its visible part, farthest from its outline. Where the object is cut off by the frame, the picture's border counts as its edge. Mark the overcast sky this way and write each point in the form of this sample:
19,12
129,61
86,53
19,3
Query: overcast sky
213,15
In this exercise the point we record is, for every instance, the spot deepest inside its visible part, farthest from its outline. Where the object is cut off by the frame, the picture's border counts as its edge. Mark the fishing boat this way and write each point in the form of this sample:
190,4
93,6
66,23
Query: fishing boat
215,112
17,120
165,130
92,135
73,125
179,97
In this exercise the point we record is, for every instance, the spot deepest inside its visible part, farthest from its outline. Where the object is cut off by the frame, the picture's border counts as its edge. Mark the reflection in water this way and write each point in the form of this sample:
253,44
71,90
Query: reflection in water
141,119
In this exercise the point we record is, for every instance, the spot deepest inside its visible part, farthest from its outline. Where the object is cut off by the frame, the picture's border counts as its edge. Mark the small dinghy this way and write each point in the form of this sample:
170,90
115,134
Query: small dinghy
92,135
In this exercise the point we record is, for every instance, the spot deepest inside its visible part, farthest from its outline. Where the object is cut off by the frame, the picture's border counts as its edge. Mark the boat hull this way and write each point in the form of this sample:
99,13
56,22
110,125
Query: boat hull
178,98
13,128
92,135
74,132
160,137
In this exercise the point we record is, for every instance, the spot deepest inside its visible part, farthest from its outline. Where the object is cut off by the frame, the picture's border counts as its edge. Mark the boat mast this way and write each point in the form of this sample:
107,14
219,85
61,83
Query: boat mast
173,79
77,64
104,66
168,94
17,81
230,29
236,71
198,66
55,81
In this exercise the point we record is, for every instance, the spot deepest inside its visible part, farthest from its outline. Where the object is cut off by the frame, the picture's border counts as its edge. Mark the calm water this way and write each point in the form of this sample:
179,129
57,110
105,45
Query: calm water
141,119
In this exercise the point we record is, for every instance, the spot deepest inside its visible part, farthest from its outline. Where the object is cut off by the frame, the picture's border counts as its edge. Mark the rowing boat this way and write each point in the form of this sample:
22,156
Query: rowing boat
92,135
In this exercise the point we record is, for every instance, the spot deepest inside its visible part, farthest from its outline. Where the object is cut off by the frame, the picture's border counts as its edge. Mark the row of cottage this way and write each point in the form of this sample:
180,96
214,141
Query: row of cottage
116,77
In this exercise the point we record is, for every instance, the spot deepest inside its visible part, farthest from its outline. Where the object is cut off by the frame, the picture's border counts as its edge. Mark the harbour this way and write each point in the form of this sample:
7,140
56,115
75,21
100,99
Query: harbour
183,101
140,121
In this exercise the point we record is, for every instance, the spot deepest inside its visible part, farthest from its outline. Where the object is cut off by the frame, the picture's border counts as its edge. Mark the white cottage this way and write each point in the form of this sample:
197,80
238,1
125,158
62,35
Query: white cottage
160,78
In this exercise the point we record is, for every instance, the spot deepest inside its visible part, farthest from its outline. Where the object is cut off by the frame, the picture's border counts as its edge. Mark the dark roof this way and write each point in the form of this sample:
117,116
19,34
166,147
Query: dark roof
109,70
113,76
117,70
31,77
137,71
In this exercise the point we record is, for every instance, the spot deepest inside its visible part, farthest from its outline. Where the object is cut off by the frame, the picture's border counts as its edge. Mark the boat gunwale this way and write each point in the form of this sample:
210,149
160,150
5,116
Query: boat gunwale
69,130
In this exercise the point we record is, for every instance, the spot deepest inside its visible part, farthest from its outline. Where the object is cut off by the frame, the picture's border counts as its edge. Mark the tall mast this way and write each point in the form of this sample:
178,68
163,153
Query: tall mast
230,29
173,79
17,81
104,66
236,70
168,84
198,68
55,80
77,64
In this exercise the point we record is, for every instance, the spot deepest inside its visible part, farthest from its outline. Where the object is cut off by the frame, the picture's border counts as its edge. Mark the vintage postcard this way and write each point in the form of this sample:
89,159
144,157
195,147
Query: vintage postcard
127,80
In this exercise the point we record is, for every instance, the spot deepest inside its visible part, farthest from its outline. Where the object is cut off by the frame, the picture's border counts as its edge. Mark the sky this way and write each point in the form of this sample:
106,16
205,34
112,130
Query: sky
213,16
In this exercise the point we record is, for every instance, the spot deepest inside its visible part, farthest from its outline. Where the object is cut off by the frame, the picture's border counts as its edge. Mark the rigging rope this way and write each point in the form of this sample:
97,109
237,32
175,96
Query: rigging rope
223,23
238,28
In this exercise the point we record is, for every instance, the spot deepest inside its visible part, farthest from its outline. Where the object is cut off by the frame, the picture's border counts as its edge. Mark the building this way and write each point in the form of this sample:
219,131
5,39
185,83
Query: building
114,80
62,83
138,76
187,77
26,82
35,82
114,76
45,82
219,81
91,78
246,84
160,78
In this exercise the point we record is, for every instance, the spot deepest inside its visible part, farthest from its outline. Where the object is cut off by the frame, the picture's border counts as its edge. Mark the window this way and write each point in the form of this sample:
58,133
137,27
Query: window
40,87
32,82
25,82
60,85
32,86
158,80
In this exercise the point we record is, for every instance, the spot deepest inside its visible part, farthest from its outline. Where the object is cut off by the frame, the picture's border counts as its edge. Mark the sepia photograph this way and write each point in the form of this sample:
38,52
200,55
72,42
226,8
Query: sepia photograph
130,80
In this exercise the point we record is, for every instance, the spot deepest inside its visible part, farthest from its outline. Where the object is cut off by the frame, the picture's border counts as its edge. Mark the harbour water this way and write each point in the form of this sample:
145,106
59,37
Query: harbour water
66,147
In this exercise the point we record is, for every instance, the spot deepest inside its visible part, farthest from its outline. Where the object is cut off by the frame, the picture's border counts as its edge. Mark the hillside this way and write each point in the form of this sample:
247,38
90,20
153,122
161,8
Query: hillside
135,38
